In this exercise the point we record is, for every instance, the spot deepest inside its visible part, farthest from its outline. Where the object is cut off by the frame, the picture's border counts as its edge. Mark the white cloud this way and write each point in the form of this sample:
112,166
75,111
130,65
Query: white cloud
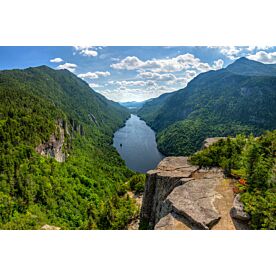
94,75
253,48
56,60
69,66
124,94
234,52
264,57
94,85
88,51
178,63
218,64
156,76
126,83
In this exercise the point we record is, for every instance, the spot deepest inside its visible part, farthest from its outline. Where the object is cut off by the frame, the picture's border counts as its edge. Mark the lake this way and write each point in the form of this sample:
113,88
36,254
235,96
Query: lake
136,144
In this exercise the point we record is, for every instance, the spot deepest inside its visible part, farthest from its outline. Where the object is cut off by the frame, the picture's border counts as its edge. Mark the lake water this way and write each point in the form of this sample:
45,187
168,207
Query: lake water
136,144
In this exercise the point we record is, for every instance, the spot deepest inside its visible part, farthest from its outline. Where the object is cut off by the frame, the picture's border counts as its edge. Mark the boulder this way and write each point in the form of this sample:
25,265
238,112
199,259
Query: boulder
237,211
195,202
210,141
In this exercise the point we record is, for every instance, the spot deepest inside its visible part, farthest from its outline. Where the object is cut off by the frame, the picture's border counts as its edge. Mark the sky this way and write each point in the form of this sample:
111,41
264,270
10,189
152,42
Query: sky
133,73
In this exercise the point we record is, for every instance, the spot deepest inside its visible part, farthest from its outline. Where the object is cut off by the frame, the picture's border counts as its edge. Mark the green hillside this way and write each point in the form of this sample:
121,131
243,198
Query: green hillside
88,190
238,99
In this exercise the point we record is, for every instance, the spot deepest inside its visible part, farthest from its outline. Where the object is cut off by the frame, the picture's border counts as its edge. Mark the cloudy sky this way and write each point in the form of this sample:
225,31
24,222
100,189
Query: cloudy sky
133,73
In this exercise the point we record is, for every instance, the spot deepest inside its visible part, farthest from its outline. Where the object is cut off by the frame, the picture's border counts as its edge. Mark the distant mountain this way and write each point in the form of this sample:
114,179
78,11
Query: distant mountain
46,115
247,67
133,104
238,99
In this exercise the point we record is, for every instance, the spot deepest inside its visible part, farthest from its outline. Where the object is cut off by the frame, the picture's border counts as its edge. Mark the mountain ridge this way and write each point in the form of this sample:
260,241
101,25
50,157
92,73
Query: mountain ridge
40,108
213,104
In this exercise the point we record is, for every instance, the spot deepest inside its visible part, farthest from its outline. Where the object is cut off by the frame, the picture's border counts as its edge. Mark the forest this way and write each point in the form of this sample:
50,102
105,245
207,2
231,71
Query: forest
237,99
88,190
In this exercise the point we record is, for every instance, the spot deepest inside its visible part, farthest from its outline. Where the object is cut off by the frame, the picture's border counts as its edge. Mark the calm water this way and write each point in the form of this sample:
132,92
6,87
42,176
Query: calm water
139,149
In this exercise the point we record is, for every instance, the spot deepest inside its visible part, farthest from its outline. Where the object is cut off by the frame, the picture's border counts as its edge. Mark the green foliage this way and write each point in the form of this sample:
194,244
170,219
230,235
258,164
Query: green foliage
253,159
87,191
137,183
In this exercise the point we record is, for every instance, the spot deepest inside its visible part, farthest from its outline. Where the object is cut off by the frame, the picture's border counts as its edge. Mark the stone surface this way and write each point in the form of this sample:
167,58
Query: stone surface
173,221
195,201
209,141
160,183
181,196
53,147
237,211
49,227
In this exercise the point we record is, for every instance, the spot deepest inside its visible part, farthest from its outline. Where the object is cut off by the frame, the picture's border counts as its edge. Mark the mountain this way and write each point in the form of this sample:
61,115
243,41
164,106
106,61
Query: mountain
132,105
57,164
237,99
151,107
246,67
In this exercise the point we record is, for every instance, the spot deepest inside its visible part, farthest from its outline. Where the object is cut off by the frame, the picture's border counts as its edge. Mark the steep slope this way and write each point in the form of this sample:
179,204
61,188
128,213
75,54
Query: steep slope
47,111
237,99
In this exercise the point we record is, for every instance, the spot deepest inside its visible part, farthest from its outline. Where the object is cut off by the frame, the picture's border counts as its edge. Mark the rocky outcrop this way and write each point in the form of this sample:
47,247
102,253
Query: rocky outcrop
53,147
160,183
179,195
49,227
210,141
237,211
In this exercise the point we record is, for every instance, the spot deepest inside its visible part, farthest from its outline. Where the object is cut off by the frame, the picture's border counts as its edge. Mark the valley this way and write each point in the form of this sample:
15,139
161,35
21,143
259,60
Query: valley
72,159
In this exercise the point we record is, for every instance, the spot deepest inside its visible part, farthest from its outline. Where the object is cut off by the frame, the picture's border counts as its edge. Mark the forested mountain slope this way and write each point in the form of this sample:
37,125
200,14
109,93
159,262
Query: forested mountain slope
40,108
238,99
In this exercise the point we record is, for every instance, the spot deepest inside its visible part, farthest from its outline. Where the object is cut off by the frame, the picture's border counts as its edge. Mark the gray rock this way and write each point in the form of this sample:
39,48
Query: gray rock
49,227
160,183
237,210
195,202
210,141
53,147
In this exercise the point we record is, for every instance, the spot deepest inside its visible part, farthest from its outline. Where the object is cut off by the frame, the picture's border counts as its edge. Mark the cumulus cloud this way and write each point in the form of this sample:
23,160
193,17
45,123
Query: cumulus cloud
94,85
264,57
125,83
234,52
69,66
56,60
88,51
156,76
124,94
94,75
178,63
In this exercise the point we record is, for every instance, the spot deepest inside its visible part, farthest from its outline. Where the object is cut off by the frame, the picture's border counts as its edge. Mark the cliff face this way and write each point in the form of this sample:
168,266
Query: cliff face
179,195
53,147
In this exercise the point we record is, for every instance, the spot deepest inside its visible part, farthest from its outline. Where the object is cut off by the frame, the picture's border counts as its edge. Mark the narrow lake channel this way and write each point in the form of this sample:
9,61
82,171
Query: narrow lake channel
136,144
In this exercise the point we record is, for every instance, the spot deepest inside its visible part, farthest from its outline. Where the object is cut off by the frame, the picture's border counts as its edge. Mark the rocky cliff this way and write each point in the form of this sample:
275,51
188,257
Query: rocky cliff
56,144
53,147
179,195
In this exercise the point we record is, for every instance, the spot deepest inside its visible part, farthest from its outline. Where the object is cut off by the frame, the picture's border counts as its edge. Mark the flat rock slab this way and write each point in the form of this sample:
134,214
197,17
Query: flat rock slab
194,201
173,221
175,167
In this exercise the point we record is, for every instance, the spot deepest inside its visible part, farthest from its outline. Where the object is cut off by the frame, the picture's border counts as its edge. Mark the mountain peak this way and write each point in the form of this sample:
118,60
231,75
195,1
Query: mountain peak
248,67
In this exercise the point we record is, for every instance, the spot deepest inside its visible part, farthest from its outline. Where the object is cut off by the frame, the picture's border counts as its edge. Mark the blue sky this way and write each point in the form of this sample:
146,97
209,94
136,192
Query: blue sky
133,73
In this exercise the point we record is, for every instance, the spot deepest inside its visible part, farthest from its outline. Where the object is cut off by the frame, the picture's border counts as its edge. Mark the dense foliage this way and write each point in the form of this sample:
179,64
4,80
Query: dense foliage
238,99
137,183
88,191
253,161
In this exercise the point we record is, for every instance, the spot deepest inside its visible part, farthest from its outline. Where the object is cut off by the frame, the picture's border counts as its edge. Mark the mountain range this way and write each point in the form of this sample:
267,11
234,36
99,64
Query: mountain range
240,98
